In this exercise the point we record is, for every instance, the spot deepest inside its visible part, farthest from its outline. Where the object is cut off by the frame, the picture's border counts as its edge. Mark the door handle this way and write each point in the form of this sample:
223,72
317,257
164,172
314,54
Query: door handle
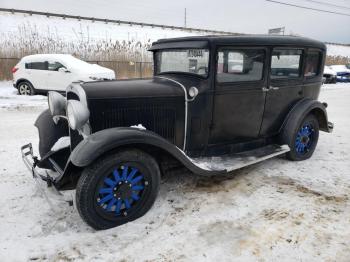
274,88
265,89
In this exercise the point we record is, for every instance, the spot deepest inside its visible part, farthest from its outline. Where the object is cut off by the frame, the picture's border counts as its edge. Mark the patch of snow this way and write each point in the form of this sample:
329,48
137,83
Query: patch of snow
277,210
61,143
74,30
338,50
10,99
234,162
139,126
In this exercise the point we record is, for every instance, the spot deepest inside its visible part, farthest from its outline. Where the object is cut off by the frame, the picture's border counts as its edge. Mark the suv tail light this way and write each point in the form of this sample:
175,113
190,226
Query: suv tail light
14,70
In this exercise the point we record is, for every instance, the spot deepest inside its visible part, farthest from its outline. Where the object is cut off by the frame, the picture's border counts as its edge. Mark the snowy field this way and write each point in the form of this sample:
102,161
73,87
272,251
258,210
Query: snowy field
273,211
12,26
73,30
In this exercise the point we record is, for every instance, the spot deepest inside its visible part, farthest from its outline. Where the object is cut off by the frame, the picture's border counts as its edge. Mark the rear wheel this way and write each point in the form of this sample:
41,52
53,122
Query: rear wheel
302,138
117,189
25,88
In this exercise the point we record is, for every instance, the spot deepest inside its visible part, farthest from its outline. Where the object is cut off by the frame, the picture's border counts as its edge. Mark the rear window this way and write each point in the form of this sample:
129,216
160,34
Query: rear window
286,63
36,65
313,61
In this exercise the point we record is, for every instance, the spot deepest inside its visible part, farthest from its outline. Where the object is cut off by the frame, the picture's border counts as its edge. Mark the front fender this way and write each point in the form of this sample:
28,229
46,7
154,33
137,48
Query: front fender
306,106
106,140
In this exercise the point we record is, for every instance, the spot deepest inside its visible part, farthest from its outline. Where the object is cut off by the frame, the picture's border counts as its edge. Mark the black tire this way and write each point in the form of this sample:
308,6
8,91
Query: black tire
25,88
94,176
293,135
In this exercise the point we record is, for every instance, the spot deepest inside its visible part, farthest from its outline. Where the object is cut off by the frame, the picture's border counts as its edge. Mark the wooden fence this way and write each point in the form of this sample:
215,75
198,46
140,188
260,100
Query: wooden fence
123,69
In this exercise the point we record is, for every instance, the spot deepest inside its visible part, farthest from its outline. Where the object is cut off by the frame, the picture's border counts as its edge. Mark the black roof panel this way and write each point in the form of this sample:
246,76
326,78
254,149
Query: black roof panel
243,40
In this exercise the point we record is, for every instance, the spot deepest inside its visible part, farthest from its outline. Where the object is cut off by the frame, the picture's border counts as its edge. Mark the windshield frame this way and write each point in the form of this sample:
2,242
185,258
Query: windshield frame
156,62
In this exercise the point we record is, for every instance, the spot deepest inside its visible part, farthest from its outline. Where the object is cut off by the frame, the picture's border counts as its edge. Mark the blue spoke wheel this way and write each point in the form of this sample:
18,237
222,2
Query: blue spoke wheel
117,188
121,190
302,137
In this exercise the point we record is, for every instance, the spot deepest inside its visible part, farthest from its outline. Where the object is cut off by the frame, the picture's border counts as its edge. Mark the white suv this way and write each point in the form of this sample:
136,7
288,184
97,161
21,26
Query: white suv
44,72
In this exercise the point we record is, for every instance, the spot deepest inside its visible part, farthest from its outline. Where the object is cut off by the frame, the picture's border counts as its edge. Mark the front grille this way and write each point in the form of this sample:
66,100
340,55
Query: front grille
157,117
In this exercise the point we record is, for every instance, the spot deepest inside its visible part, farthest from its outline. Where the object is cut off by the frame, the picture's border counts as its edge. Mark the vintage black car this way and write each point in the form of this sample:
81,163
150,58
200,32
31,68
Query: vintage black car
242,99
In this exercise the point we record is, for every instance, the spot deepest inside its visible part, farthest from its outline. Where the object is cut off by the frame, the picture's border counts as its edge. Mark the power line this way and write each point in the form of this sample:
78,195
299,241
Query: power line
113,21
309,8
329,4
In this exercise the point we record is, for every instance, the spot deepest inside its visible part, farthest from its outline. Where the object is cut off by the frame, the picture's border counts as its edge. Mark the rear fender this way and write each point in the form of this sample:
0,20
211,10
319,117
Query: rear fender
306,106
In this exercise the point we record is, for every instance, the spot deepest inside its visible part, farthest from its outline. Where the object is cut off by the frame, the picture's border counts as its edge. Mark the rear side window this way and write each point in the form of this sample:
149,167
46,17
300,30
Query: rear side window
286,63
240,65
313,61
37,65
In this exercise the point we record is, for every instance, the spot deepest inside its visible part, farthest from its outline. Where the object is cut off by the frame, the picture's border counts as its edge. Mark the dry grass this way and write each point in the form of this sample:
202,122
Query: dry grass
337,60
129,59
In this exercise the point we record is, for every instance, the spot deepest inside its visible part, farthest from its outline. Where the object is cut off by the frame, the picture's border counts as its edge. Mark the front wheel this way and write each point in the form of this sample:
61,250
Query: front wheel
302,138
117,189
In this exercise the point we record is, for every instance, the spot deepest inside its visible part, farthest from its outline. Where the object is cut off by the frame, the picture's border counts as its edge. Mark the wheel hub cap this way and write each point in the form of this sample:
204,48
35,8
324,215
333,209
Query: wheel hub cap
124,191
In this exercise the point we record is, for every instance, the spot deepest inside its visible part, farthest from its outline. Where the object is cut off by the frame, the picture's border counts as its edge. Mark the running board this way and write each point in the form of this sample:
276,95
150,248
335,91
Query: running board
228,163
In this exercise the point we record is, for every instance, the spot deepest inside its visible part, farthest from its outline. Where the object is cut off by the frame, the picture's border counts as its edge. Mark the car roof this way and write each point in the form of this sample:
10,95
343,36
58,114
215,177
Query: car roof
46,56
262,40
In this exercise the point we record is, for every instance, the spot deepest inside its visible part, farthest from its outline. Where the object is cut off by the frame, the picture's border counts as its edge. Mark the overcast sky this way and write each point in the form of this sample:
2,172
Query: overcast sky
242,16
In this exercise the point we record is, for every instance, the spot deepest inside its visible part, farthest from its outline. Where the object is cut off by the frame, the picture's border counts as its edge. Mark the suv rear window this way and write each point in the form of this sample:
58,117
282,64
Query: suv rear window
37,65
313,62
240,65
286,63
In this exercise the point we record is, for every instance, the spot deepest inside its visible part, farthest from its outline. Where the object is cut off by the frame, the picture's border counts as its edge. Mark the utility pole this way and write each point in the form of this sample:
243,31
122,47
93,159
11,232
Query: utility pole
185,18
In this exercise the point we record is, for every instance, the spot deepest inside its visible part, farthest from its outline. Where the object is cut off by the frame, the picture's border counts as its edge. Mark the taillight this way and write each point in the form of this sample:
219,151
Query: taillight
14,70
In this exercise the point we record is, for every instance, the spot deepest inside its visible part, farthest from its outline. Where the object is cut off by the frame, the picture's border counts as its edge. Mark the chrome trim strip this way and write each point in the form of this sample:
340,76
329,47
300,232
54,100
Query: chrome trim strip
186,106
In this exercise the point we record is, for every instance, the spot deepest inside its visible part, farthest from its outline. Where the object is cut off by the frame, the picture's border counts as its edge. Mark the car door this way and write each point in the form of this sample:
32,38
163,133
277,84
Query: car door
285,87
58,76
238,97
35,72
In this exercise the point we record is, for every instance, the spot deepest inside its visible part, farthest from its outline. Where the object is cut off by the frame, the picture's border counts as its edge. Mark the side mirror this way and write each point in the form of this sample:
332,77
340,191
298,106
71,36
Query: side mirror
63,70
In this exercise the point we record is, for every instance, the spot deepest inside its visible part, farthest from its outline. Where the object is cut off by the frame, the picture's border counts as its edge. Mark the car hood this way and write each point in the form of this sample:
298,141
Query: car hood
327,70
153,87
340,69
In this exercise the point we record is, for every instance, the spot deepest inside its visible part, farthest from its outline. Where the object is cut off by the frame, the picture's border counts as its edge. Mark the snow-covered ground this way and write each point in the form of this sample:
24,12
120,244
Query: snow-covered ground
12,25
273,211
338,50
10,99
74,30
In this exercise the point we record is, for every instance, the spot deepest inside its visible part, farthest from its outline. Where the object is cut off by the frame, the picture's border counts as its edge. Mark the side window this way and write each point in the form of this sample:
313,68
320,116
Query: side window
312,65
286,63
36,65
240,65
54,66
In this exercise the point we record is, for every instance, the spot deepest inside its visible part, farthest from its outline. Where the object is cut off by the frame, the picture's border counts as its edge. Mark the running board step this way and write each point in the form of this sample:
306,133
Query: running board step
232,162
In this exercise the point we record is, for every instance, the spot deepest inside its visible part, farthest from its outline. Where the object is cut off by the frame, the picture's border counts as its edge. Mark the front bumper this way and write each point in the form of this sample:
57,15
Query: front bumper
44,183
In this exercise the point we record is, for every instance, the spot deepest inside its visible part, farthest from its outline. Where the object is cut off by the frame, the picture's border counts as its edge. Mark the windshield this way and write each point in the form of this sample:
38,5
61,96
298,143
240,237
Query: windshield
194,61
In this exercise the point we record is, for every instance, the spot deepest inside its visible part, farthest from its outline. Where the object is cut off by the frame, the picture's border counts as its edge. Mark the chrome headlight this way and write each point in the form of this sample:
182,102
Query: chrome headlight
57,103
77,114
